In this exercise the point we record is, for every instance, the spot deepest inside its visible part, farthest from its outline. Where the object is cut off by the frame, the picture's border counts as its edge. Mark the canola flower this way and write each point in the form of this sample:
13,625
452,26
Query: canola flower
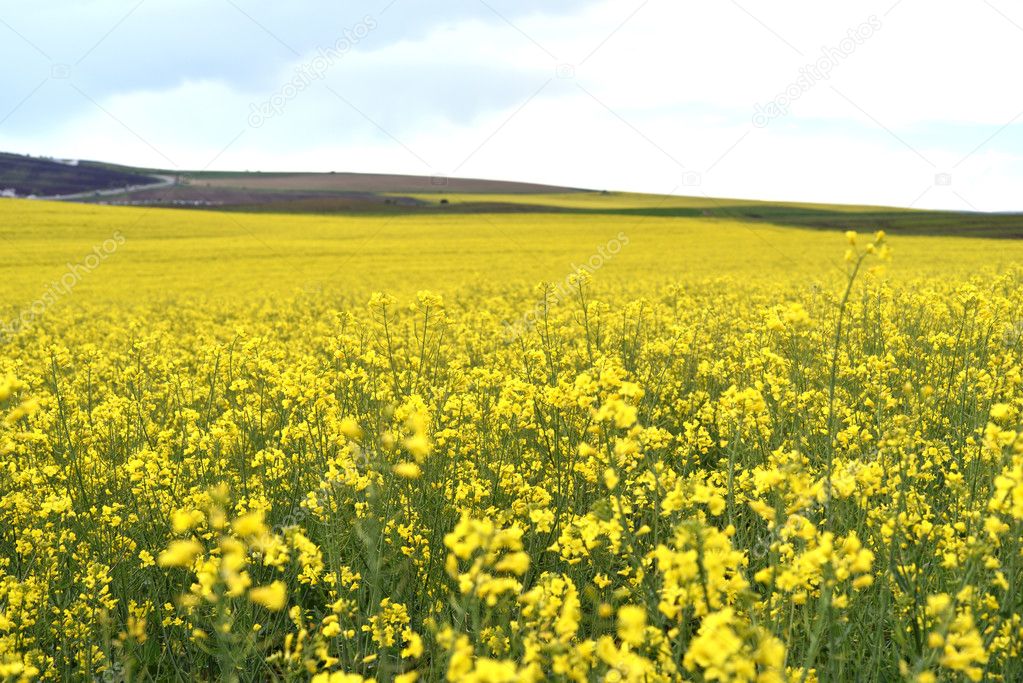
712,479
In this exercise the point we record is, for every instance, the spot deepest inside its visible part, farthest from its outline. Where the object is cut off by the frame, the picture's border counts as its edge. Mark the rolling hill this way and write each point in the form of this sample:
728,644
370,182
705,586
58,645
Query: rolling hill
42,177
391,194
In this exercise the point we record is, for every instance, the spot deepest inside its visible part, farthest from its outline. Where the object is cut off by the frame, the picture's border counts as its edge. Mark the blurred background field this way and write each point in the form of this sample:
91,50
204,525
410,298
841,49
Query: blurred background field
169,254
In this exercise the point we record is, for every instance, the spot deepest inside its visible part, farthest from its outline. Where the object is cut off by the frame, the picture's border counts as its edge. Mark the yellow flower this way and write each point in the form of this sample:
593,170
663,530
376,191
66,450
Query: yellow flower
938,604
414,647
350,428
185,520
179,554
338,677
514,563
408,470
250,524
274,597
632,624
419,446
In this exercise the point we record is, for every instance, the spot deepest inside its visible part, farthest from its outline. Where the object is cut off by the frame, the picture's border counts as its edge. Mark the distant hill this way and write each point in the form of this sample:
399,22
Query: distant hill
368,182
26,176
344,193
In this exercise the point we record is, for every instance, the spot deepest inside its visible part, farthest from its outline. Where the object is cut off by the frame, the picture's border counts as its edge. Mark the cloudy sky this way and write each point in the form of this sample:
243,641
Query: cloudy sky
904,103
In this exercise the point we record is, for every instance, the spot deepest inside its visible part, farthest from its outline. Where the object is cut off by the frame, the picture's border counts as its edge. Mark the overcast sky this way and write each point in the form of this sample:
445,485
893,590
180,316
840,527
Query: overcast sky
908,103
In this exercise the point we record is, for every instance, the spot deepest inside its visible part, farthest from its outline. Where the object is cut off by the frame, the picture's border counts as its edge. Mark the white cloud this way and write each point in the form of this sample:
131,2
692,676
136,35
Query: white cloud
660,90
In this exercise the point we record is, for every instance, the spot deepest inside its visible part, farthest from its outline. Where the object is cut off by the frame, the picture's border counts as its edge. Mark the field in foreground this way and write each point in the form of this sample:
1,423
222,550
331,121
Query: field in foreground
267,447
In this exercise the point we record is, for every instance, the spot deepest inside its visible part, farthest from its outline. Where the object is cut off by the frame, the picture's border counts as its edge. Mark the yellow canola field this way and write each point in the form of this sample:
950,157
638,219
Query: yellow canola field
267,447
